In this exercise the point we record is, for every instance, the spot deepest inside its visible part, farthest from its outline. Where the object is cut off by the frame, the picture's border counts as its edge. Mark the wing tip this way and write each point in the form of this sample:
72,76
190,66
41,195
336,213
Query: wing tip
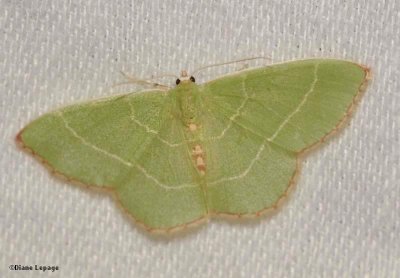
18,139
367,71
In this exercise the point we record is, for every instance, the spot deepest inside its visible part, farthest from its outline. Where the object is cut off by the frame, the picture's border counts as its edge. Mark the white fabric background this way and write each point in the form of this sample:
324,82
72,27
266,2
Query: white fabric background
341,221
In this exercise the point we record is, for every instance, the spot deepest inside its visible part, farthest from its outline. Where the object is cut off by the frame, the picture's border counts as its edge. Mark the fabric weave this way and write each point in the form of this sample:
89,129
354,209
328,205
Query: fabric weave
342,220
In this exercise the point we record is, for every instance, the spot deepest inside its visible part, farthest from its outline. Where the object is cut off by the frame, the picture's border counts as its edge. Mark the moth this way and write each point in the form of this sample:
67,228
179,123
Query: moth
231,146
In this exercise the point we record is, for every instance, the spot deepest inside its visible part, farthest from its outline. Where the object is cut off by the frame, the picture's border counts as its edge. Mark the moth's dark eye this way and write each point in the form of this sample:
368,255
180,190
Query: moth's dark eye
192,79
178,81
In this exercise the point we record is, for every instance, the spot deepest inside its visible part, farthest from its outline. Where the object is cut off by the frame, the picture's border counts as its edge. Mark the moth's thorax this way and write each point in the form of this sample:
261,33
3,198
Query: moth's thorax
187,98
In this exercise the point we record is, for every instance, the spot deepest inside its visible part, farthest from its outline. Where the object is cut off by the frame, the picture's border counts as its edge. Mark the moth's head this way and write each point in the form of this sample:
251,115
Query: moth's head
185,78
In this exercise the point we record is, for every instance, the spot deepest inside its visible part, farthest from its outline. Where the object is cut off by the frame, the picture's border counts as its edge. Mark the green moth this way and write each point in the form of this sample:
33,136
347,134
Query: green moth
226,147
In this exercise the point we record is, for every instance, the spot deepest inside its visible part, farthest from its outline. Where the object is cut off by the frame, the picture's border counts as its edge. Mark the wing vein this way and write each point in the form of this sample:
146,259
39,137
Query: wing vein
236,114
150,130
245,172
120,159
270,139
301,104
85,142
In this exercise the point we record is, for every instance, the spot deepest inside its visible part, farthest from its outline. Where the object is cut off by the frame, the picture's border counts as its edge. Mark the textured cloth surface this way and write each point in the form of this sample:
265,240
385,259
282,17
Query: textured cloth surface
342,220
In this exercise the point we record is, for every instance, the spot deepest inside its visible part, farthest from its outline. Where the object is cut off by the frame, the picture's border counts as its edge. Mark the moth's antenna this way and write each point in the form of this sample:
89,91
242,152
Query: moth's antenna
230,62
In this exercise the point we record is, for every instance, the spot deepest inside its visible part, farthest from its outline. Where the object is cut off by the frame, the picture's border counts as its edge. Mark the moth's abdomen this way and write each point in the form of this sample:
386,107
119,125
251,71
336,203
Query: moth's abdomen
192,126
199,158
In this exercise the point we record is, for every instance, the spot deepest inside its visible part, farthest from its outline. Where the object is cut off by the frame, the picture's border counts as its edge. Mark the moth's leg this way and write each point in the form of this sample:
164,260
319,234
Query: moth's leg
134,80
